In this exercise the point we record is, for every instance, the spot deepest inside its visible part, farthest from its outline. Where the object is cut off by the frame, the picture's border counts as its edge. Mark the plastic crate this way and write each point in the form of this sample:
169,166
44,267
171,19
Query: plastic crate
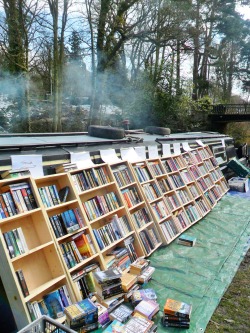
238,184
46,324
240,169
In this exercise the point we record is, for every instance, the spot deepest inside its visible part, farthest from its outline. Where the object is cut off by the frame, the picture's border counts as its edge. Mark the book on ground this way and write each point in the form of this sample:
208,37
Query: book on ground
187,240
115,327
143,294
122,313
177,308
147,308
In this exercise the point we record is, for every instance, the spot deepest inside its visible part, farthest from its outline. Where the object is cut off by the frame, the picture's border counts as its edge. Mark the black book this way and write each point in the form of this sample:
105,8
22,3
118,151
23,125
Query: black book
22,282
63,193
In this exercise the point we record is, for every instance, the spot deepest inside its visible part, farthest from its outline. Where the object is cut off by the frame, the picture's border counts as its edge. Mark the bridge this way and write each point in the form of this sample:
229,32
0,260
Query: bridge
226,113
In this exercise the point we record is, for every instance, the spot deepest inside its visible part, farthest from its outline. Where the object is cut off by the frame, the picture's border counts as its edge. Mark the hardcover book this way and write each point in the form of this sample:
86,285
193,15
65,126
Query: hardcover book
177,308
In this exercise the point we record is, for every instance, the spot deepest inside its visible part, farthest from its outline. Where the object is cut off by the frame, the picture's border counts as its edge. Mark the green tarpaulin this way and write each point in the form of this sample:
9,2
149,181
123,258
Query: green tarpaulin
201,274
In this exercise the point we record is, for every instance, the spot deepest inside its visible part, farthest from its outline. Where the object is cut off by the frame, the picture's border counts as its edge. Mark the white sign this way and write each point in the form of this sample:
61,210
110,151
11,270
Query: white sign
34,163
81,159
200,143
153,152
166,150
109,156
129,154
186,146
141,152
177,148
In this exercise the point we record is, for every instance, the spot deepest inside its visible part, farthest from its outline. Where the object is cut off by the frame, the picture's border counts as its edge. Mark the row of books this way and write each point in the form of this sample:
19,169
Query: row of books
66,222
16,198
203,205
90,178
77,249
165,185
131,196
116,229
182,218
15,242
186,176
193,213
155,168
122,175
193,190
183,196
160,209
150,239
100,205
169,229
176,180
52,304
49,195
141,217
141,172
151,191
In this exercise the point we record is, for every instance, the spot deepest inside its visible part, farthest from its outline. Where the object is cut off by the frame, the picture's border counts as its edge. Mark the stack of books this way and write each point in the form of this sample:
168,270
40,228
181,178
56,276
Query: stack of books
82,315
108,284
15,173
186,240
176,314
141,267
118,257
65,167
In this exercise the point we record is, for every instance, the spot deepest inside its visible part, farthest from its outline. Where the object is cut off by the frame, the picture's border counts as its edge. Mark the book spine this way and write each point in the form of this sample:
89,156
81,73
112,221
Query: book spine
22,282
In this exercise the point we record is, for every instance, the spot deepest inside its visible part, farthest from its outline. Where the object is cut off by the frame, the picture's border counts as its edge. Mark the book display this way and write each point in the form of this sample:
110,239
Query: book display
59,231
30,264
135,196
176,314
106,214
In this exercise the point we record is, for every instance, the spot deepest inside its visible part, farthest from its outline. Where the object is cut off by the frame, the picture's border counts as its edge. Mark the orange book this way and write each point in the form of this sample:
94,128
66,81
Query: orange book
177,308
83,245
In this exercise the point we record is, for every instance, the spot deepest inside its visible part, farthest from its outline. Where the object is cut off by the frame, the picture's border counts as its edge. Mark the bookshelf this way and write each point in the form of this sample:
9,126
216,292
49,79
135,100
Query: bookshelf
135,193
68,224
106,214
35,252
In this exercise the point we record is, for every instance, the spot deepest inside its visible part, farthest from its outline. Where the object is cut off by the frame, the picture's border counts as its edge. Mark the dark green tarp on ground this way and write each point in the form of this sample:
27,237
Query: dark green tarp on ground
201,274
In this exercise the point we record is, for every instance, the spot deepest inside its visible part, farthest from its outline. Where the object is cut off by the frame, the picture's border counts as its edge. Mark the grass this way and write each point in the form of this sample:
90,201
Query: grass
232,314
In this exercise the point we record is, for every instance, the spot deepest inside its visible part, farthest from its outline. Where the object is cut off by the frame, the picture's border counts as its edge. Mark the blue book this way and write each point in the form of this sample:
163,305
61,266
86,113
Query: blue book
54,304
98,239
70,221
82,313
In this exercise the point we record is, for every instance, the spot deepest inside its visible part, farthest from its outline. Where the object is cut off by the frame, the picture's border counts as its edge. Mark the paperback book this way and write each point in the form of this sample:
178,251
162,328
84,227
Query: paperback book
147,308
177,308
143,294
122,313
